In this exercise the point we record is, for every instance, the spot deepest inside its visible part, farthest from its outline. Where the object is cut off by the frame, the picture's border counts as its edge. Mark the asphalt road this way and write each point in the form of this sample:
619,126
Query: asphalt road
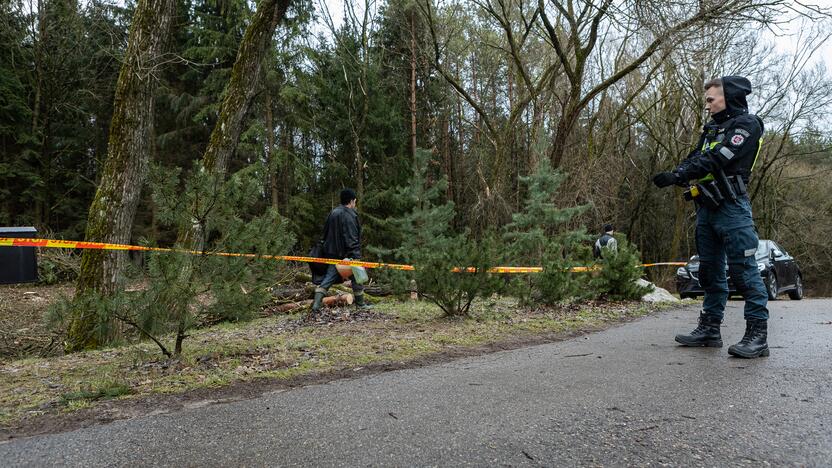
625,396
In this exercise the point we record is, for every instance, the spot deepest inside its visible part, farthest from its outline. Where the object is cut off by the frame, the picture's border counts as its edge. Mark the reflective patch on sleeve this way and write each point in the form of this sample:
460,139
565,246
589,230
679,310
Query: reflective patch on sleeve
726,152
750,252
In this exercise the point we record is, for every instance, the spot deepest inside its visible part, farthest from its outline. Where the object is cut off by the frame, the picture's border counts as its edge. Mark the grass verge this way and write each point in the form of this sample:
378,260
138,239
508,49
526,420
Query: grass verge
282,347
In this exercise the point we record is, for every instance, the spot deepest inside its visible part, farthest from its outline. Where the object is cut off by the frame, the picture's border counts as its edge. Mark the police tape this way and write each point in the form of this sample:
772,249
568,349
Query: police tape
64,244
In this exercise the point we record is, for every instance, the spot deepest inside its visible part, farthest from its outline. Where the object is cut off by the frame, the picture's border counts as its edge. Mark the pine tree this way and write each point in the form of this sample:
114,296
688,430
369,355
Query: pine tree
536,236
236,287
440,256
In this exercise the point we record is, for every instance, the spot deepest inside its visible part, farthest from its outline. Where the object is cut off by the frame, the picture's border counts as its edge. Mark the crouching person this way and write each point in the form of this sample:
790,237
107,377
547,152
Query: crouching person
342,240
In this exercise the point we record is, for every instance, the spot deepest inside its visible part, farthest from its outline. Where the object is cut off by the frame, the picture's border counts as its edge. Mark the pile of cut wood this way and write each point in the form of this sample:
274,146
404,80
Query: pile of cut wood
299,294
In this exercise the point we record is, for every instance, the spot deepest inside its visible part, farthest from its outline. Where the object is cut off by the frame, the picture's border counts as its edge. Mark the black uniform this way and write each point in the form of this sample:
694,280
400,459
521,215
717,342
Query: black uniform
724,224
731,139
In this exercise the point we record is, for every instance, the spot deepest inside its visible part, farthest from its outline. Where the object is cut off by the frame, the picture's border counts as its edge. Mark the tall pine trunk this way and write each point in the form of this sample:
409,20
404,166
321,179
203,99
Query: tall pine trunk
245,77
243,86
240,91
112,211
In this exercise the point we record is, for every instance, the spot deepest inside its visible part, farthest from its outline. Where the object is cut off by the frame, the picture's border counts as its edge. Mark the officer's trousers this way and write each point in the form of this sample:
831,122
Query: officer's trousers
728,233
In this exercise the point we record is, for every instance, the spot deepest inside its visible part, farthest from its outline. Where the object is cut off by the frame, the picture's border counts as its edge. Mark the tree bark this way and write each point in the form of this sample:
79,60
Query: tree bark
245,77
114,206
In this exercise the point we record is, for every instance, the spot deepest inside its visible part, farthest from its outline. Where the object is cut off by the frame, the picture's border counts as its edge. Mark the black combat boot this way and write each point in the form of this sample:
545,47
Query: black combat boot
360,303
706,334
754,343
319,297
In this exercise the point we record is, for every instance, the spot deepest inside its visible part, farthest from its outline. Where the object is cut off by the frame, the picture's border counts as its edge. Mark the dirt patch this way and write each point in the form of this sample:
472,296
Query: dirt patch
23,329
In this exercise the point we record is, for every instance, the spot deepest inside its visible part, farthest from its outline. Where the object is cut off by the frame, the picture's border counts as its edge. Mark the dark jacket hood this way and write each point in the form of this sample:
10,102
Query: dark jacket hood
735,89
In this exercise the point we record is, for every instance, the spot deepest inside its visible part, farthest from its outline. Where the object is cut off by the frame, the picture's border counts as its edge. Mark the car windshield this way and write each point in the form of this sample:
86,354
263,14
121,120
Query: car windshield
762,250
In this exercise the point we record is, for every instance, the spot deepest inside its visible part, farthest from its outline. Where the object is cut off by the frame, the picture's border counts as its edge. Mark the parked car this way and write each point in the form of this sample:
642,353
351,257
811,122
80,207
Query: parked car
779,270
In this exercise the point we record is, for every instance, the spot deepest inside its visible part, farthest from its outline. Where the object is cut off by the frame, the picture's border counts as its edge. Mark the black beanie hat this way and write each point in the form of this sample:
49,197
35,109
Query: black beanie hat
347,195
608,228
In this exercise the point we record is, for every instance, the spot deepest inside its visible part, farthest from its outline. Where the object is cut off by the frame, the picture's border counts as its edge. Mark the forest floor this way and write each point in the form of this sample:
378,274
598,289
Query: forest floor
44,391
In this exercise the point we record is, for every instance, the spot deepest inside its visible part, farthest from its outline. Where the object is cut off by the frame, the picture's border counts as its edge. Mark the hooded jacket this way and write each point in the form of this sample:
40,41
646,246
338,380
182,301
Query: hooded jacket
731,140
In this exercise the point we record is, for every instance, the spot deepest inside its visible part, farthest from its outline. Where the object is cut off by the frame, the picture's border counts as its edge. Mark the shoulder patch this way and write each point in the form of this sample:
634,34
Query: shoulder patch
743,131
737,140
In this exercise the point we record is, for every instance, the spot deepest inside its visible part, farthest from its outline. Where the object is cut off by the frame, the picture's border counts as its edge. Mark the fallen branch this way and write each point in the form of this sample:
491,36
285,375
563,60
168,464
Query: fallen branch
144,332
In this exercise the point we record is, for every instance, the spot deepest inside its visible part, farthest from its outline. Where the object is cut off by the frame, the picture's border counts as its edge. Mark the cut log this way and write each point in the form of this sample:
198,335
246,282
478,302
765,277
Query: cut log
288,307
339,300
293,294
373,290
331,301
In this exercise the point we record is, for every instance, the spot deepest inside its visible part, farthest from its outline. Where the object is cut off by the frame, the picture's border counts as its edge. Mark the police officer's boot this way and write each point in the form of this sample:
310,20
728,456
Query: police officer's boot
319,298
754,343
706,334
360,303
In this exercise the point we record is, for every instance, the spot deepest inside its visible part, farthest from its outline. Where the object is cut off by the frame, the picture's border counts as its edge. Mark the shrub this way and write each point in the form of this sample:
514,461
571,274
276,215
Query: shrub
619,272
57,266
438,276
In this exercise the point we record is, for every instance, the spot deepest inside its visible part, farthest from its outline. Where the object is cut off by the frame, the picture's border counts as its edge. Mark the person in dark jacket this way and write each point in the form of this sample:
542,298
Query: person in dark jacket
606,241
342,240
720,168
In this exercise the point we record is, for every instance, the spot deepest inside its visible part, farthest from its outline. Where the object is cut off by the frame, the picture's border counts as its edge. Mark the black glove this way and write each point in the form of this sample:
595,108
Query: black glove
665,179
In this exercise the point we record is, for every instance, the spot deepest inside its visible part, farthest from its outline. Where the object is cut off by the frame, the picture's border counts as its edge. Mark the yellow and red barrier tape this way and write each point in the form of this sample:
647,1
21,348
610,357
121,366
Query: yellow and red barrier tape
64,244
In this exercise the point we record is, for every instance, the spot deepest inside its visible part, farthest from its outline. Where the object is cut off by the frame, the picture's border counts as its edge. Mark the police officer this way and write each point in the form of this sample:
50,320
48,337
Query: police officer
719,169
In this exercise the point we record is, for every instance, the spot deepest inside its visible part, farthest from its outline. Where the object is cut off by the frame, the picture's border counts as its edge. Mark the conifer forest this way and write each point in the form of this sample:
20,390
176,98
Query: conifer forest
476,132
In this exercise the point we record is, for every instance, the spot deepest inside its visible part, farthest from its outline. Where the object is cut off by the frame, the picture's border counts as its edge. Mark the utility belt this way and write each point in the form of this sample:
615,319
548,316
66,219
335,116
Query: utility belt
714,192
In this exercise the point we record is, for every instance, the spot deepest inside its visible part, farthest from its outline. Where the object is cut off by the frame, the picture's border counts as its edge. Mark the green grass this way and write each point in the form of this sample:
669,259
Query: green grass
96,391
280,348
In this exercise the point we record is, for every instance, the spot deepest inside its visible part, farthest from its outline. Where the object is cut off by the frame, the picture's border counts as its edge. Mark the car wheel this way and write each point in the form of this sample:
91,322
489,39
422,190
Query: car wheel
796,294
771,287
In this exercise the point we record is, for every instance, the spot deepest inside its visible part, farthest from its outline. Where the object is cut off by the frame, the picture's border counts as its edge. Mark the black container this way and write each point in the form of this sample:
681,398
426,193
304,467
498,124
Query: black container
18,264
